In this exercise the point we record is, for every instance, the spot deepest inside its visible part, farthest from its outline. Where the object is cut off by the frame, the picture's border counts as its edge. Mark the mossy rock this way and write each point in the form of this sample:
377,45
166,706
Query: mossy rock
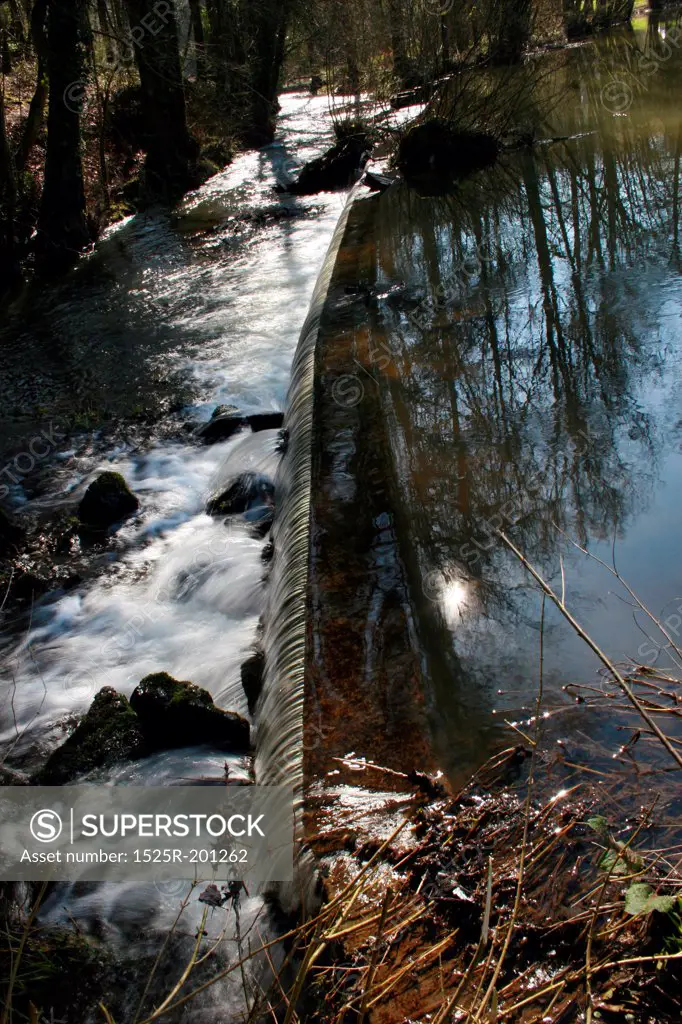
433,154
108,500
174,713
109,733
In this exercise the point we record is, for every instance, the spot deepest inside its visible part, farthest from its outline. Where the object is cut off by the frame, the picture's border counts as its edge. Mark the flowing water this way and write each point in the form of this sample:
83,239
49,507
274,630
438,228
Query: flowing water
188,312
526,335
184,593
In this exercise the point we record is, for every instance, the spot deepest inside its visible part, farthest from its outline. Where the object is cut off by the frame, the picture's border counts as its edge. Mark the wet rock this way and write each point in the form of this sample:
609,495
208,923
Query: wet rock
41,559
27,585
263,524
110,732
433,154
265,421
252,671
224,410
282,443
108,500
12,777
225,421
268,553
228,420
339,167
174,714
250,494
11,535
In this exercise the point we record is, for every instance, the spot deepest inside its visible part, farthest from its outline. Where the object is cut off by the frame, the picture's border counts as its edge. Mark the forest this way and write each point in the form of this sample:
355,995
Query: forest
109,106
340,481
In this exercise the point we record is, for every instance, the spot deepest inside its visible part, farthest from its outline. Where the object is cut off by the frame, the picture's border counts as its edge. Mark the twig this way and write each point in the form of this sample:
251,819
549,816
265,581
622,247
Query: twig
627,690
16,959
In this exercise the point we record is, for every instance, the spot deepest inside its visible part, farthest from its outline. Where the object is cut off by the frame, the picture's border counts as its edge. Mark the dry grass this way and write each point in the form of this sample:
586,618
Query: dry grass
546,890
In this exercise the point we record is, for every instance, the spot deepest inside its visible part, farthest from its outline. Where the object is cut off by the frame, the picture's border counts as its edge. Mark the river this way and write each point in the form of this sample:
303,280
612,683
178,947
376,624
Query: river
524,366
172,315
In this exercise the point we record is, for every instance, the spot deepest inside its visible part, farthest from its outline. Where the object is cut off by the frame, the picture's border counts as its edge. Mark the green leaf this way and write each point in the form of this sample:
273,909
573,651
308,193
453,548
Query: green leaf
640,899
599,824
612,862
663,904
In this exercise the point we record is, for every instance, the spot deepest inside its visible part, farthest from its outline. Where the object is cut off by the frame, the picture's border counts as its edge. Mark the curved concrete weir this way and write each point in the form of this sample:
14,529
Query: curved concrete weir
344,669
469,366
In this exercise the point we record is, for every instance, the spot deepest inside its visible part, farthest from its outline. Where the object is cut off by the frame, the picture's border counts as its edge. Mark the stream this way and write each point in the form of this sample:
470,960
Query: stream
208,305
525,358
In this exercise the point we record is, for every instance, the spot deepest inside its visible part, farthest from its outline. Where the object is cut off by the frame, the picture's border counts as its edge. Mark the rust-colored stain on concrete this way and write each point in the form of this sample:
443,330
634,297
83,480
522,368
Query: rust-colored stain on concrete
363,679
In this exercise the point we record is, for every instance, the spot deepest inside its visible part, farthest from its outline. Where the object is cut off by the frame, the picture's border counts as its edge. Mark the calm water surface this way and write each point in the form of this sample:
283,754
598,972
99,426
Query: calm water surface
528,342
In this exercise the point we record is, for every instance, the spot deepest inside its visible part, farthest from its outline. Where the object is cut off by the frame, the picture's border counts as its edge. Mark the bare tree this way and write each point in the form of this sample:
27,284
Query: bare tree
63,227
171,152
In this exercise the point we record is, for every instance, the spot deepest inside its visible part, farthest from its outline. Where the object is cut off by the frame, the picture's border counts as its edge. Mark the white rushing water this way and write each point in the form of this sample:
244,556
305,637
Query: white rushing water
182,592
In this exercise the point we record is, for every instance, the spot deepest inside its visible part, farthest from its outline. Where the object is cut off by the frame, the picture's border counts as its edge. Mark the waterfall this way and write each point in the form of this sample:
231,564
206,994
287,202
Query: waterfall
279,758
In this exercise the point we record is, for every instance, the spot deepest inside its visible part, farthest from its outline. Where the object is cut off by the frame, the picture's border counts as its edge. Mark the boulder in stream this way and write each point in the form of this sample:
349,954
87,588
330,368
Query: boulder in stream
110,732
265,421
227,420
108,500
339,167
250,494
252,678
174,714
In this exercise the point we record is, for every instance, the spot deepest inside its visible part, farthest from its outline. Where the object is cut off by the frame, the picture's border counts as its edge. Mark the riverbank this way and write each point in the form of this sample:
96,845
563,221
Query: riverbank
450,484
485,364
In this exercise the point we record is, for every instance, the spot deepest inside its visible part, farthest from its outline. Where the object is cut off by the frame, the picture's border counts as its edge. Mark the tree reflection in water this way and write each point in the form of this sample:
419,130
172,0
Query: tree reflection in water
532,321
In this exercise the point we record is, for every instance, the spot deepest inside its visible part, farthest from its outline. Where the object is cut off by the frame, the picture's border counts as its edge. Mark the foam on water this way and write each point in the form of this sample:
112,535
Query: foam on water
182,592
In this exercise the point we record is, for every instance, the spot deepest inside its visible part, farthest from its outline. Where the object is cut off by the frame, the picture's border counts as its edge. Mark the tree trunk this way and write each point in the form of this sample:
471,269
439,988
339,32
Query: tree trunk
268,22
17,30
509,30
62,226
34,118
105,29
9,258
36,110
402,69
171,154
119,18
103,18
228,51
198,32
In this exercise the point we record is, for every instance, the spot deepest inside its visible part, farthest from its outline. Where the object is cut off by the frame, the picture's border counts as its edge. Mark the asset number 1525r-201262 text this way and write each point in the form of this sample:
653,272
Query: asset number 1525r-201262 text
190,856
